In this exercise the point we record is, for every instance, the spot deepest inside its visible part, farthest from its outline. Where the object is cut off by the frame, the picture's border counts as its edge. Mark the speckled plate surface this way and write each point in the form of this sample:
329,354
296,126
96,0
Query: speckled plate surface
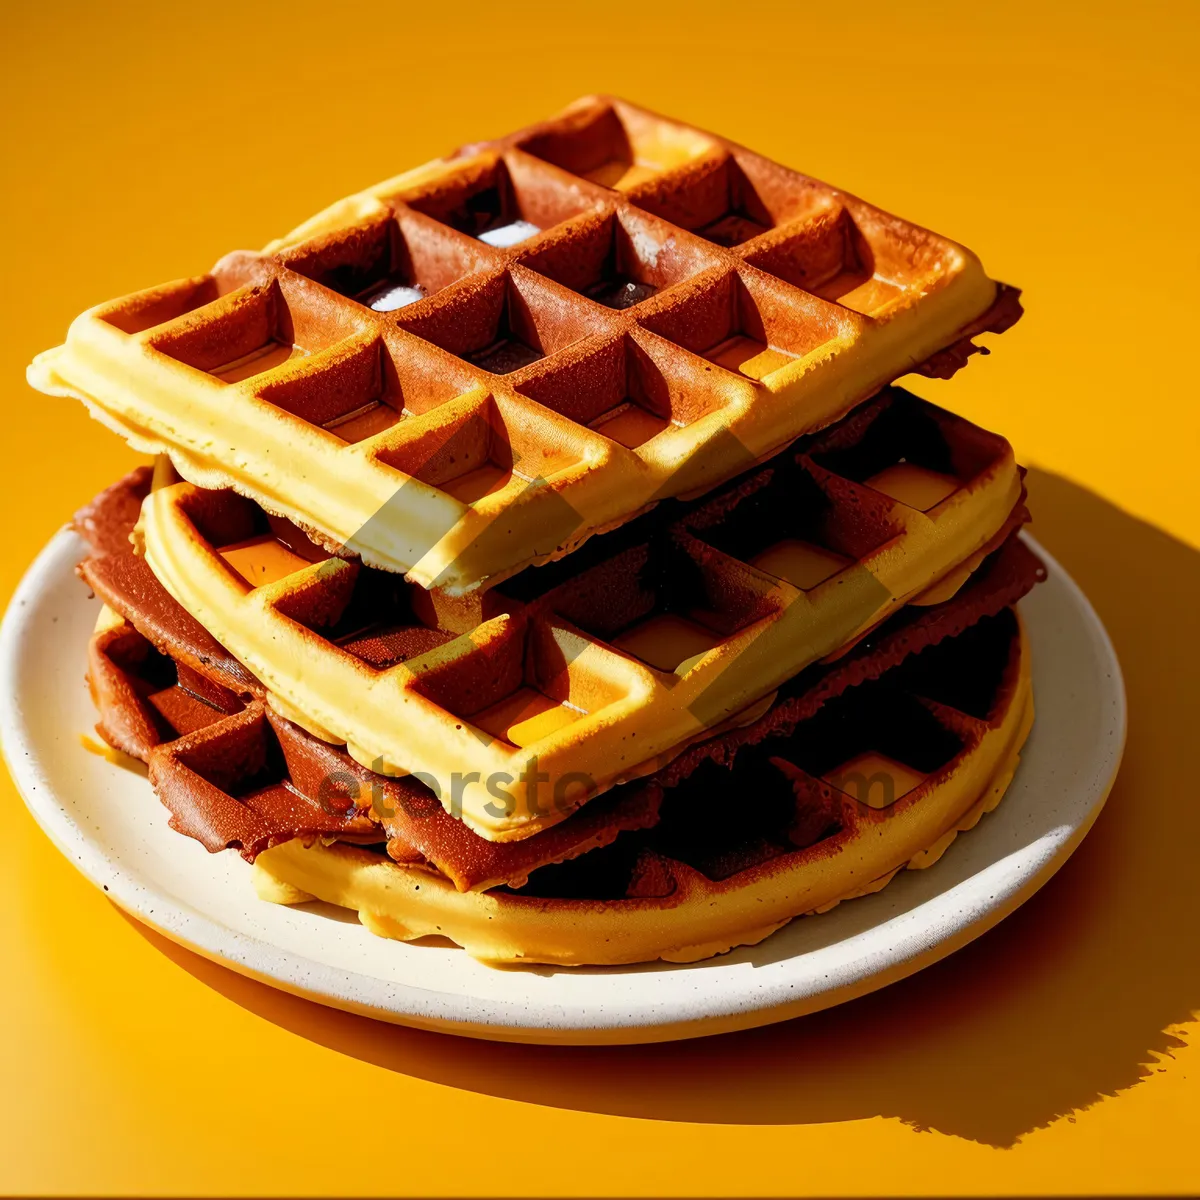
106,820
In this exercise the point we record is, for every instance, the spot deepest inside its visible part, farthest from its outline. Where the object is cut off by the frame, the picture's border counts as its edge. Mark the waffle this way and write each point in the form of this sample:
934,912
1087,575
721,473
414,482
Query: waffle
520,703
158,678
876,776
805,845
145,699
476,365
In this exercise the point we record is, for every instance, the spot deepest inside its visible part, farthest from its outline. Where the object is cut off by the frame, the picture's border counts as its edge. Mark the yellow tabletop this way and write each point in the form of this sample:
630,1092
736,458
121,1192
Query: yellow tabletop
143,141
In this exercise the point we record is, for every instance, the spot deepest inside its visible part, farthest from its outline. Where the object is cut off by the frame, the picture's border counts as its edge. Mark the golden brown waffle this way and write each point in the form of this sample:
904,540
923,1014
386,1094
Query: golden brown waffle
881,779
520,703
161,678
875,777
679,309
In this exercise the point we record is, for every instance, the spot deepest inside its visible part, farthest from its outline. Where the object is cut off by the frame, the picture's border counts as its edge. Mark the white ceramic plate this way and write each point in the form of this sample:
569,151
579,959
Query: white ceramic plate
108,823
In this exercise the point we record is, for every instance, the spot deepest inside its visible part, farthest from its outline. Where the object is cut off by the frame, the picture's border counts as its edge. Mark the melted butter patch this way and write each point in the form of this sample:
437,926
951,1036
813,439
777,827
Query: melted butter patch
749,357
668,642
526,717
630,425
861,291
621,174
273,354
482,481
262,560
364,422
799,563
391,294
914,486
511,234
651,153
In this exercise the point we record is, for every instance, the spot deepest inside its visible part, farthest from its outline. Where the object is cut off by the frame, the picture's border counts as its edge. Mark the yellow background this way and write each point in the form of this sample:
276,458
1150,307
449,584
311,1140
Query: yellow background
1059,141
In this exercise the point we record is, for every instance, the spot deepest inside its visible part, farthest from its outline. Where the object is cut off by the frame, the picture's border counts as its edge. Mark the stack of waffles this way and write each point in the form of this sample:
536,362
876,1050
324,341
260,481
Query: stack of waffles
538,554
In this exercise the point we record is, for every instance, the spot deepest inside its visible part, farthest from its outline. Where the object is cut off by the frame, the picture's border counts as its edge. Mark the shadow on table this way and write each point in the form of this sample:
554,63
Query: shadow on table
1071,999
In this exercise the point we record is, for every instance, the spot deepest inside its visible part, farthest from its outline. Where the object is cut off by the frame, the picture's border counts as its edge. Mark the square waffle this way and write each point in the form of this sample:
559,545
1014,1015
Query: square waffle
157,677
880,775
518,704
860,767
476,365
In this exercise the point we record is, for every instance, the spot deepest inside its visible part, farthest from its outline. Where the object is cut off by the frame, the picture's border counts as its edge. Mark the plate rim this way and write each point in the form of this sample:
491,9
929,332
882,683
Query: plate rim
428,1008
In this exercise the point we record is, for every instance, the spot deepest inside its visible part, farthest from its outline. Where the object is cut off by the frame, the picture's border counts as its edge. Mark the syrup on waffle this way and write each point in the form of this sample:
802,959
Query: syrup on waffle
522,702
165,688
477,364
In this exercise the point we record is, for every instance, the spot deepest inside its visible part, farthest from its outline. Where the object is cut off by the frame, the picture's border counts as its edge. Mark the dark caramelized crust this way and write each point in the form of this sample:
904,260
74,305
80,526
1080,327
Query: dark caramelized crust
106,522
1005,312
124,581
234,784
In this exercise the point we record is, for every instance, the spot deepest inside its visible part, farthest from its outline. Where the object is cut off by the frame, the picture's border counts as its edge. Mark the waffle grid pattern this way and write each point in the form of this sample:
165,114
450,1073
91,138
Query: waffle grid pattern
713,874
954,717
184,680
575,677
653,329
